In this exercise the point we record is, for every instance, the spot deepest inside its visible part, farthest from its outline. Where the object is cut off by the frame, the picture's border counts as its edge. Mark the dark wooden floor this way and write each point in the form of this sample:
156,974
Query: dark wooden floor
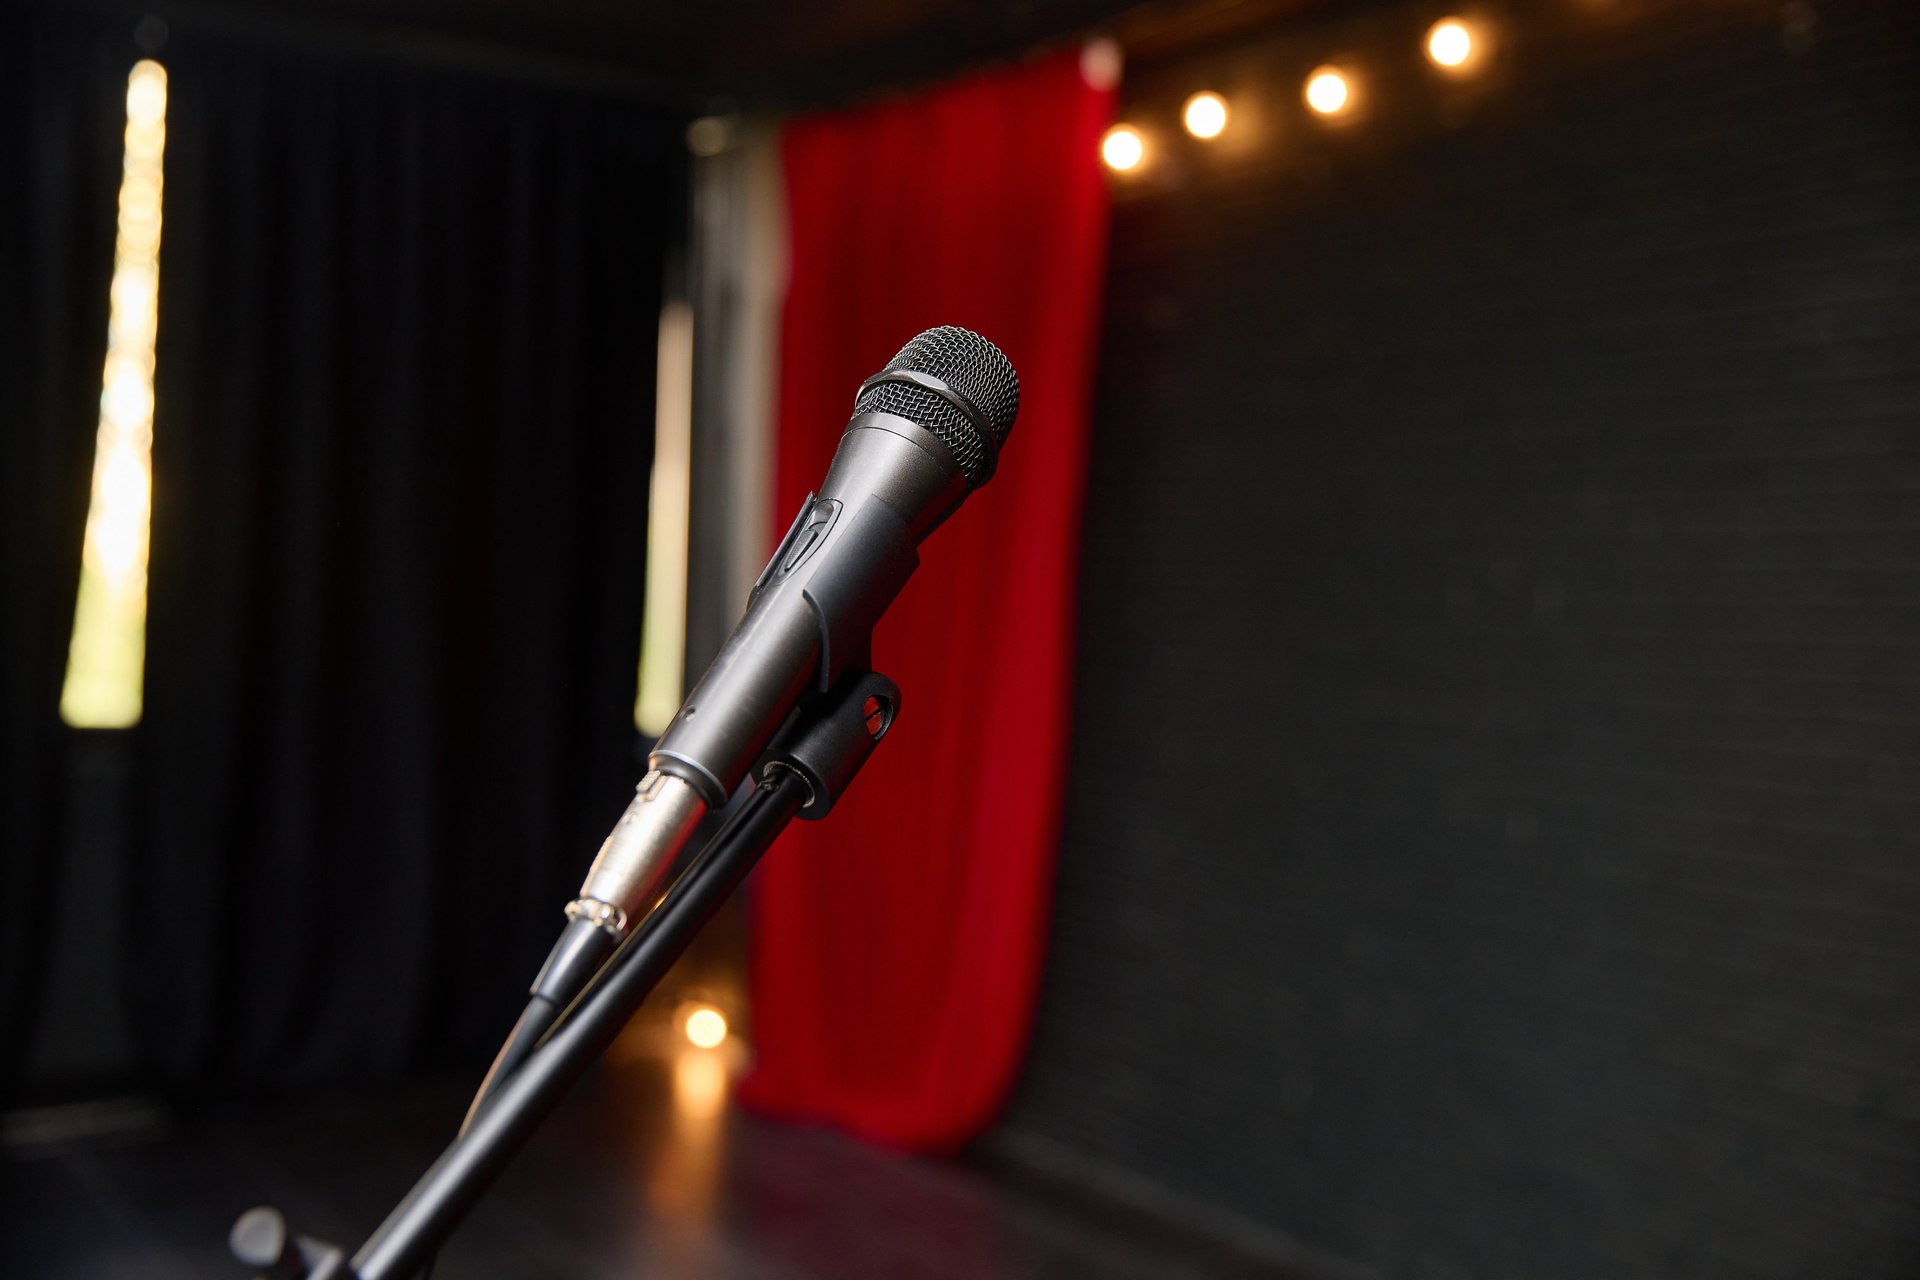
645,1172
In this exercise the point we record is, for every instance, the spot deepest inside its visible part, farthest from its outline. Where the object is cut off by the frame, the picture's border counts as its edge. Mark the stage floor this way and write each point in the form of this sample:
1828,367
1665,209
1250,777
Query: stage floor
644,1172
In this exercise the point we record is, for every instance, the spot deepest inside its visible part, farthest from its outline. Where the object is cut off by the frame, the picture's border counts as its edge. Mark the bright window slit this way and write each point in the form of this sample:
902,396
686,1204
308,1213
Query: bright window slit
107,658
663,630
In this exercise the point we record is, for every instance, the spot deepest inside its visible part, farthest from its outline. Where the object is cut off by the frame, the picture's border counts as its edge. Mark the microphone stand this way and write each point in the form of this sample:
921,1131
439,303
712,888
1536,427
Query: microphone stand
809,765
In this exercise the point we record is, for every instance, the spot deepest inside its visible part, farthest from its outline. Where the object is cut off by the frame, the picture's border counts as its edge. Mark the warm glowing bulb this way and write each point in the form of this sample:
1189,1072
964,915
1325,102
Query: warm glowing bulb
706,1028
1101,62
1449,44
1122,148
1327,91
1206,115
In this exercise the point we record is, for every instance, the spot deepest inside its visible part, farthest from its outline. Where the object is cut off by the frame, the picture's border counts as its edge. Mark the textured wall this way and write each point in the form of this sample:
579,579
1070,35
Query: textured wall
1494,840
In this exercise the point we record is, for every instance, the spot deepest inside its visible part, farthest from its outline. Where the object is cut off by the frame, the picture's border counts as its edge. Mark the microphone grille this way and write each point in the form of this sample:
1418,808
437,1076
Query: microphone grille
977,371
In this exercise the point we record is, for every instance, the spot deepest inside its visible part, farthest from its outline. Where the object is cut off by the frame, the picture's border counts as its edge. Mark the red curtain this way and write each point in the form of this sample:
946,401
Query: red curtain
896,947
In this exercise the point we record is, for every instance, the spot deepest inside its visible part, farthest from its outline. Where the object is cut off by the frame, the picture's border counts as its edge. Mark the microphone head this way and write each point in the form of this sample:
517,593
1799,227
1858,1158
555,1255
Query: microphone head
974,370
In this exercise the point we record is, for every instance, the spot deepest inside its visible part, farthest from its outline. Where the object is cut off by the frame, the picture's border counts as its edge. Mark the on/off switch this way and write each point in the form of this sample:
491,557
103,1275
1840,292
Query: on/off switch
810,535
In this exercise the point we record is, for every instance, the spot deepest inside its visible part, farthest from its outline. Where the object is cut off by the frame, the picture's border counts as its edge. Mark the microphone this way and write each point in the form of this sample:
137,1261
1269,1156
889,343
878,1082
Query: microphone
926,431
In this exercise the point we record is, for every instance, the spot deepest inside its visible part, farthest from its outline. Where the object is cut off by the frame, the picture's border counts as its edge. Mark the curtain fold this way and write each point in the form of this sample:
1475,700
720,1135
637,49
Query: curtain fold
403,424
896,950
63,86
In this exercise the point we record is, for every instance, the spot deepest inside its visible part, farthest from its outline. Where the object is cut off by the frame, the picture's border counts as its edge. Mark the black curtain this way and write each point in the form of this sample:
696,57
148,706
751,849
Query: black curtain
403,425
62,91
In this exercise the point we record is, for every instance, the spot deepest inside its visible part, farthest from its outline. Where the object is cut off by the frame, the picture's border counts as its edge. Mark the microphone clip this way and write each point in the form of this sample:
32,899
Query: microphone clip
830,735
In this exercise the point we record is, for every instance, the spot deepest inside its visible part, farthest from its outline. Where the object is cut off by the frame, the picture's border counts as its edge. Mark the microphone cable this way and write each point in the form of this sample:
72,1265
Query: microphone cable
568,982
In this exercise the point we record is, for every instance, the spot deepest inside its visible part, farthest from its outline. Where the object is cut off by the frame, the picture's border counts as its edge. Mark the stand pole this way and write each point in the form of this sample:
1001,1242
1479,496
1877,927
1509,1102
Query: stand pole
422,1221
805,769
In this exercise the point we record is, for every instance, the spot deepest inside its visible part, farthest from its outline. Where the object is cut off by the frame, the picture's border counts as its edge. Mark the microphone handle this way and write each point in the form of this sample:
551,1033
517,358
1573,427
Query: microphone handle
811,615
809,620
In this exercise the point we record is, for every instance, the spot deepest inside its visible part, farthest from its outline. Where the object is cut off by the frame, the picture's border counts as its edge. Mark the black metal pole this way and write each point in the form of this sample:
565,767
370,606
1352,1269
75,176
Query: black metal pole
806,768
422,1222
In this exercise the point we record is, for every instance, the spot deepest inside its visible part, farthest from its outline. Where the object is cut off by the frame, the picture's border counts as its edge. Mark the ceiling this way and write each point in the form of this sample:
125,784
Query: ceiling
708,55
722,55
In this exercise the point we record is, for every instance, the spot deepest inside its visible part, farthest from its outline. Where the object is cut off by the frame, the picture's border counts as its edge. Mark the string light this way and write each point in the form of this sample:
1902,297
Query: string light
1101,62
1449,43
106,659
709,135
1122,148
706,1028
1327,91
1205,115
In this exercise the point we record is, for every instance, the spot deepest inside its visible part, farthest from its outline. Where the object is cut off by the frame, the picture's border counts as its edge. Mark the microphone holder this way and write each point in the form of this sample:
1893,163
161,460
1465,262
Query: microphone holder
804,771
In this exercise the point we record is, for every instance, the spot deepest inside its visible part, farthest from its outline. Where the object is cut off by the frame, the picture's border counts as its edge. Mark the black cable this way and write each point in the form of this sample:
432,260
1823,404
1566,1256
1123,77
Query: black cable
582,949
527,1030
809,765
583,1030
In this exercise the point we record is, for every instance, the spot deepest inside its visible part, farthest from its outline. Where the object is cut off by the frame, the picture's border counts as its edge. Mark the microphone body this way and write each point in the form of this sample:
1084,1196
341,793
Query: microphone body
926,431
848,553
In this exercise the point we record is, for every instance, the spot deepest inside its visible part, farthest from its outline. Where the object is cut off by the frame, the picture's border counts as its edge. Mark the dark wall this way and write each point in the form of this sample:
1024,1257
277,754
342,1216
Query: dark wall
1494,839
